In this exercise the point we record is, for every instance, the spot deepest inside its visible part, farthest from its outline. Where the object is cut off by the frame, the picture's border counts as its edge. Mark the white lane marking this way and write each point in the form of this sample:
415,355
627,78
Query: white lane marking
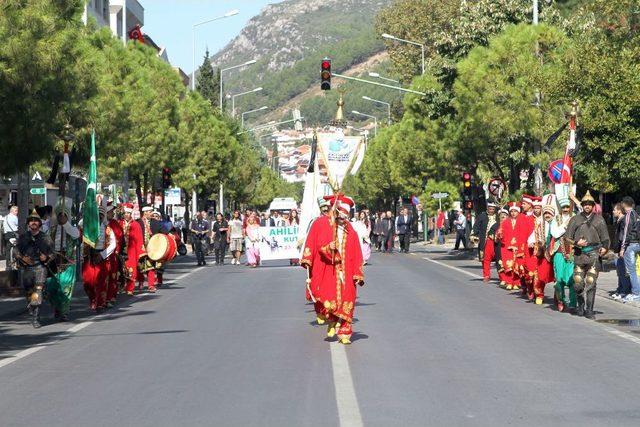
624,335
71,330
20,355
79,327
348,409
453,268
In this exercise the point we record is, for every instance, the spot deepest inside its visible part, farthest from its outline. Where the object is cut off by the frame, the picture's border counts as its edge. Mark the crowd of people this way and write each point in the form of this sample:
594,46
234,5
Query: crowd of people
561,241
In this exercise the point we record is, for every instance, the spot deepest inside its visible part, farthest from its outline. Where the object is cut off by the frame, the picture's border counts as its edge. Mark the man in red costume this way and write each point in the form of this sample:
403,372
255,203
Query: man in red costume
95,267
530,205
132,246
114,267
513,238
333,259
146,267
542,238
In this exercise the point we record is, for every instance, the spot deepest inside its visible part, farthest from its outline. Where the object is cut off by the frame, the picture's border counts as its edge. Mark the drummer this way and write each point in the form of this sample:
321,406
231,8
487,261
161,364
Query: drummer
158,228
145,266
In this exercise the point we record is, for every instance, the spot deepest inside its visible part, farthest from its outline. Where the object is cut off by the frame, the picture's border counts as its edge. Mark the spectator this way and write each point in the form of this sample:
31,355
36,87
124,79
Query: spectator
631,246
235,237
10,234
388,231
378,231
624,282
440,226
460,223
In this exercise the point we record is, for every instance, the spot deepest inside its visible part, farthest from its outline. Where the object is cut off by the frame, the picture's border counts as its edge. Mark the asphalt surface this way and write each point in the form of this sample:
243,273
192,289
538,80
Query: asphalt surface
232,346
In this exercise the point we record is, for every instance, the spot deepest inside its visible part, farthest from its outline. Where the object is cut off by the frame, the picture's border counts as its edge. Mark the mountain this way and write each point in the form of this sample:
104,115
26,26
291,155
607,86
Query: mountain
288,40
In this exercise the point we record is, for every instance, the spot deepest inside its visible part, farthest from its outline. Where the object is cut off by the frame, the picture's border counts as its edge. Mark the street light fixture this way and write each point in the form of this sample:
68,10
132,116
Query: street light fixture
378,76
390,37
375,120
226,15
252,111
377,101
244,64
233,99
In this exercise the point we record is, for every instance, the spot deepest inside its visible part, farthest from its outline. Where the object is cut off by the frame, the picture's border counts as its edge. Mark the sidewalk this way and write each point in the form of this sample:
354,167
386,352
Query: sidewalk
607,280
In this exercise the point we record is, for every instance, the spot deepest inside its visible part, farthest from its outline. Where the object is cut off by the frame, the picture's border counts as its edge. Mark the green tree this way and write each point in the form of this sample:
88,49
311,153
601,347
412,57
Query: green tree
208,81
43,76
270,186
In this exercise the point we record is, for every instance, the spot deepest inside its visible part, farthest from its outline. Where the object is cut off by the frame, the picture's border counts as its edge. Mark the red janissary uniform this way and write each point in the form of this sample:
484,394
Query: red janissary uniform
133,240
95,268
544,268
513,234
150,272
114,272
333,273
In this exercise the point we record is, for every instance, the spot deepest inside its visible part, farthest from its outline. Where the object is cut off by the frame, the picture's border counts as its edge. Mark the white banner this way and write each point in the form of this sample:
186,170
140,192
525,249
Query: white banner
278,243
338,152
172,196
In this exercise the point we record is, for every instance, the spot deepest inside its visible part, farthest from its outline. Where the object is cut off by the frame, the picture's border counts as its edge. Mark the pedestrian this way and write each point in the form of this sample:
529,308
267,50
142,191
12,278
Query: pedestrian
460,224
333,259
10,228
236,237
278,219
419,223
33,254
624,281
199,229
440,226
363,228
388,232
293,220
561,250
267,221
220,237
630,247
252,241
378,231
590,238
403,225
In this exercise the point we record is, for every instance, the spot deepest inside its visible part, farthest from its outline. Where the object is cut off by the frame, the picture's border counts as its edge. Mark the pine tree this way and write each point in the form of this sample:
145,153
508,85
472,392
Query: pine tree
208,81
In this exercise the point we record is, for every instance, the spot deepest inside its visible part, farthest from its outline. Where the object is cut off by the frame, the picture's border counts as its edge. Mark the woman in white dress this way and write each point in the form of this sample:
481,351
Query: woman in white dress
363,228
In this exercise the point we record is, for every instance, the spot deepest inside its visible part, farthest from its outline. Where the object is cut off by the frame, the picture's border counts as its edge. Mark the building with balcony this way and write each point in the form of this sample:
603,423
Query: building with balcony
98,10
124,16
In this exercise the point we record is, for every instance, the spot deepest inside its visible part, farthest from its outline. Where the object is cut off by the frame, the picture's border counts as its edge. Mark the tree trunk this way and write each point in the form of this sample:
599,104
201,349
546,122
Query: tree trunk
23,198
139,192
145,192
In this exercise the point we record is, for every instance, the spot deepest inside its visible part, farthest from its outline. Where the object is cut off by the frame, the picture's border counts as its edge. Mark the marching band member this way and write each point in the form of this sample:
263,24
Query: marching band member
333,259
113,279
145,265
132,246
544,267
95,268
513,236
527,226
483,237
562,255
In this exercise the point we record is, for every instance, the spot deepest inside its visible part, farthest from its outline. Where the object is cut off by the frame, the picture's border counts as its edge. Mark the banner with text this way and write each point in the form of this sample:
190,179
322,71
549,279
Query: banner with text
279,243
339,153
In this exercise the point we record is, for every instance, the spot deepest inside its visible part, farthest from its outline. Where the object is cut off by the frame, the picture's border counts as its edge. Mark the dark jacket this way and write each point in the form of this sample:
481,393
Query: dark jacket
632,225
619,235
403,226
271,223
34,246
388,226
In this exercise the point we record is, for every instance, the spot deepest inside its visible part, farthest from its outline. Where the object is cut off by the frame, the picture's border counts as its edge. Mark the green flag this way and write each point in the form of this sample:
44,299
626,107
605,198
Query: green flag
90,218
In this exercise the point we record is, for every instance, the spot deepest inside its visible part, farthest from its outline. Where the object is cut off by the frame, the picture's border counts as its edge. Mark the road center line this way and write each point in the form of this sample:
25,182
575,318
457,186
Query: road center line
624,335
347,402
476,276
21,355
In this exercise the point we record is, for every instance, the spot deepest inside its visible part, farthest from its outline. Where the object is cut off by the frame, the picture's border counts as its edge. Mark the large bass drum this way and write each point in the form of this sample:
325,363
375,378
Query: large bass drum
162,248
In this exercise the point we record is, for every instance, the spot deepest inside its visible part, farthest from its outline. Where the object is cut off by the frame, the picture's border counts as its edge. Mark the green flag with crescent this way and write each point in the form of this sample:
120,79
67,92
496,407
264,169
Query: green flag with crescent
90,218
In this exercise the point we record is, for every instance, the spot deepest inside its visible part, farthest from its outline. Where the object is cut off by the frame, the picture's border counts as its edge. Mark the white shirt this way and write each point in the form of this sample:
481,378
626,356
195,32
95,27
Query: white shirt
10,224
105,252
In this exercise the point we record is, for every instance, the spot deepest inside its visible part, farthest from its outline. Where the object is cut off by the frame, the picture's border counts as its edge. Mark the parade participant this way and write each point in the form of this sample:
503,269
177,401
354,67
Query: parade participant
528,227
363,228
132,246
388,232
235,237
114,260
95,267
145,267
403,225
562,255
292,221
333,259
59,287
588,234
479,235
33,252
544,267
199,228
158,226
252,241
220,237
513,236
497,243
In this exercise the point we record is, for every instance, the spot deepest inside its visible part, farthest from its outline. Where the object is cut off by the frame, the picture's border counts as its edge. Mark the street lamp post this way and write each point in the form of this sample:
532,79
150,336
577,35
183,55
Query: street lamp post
390,37
381,102
375,120
233,99
226,15
252,111
244,64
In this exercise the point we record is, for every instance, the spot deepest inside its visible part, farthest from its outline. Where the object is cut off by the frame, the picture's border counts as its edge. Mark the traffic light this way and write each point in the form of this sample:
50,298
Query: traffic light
467,186
166,177
325,74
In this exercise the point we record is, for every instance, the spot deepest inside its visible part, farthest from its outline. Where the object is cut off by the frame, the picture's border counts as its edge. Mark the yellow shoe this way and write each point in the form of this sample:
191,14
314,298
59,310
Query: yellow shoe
331,329
320,320
516,287
538,301
345,341
509,287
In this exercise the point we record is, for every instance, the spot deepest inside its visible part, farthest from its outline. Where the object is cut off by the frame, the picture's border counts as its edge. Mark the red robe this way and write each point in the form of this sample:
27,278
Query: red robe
514,237
112,280
135,249
333,273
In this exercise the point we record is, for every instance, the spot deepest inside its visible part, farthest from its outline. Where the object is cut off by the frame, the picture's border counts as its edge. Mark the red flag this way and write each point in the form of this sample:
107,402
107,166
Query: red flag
567,166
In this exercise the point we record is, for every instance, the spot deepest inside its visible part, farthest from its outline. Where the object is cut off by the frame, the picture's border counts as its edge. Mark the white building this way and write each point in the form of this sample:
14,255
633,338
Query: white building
98,10
125,15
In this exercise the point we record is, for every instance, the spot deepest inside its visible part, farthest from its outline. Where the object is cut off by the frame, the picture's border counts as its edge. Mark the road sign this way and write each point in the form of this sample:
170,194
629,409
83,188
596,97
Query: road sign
497,187
38,191
555,171
440,195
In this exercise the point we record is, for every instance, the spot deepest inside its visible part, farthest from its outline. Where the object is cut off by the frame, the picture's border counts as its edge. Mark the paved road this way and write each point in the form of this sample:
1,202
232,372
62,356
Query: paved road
231,346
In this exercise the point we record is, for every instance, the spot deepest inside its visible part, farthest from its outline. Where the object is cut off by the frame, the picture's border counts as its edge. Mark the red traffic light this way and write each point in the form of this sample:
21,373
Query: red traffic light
325,74
326,65
466,176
